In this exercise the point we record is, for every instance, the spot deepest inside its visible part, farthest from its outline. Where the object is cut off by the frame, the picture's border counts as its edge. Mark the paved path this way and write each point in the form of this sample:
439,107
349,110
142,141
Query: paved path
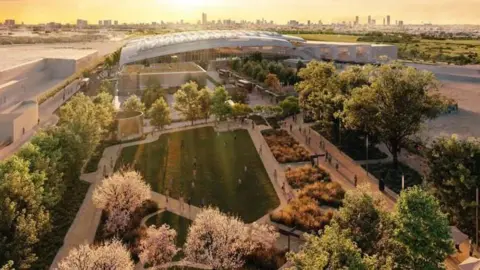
84,226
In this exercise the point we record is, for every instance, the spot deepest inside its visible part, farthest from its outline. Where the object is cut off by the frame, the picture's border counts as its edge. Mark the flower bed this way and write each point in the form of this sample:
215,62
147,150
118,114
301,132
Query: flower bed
301,176
330,193
284,148
303,213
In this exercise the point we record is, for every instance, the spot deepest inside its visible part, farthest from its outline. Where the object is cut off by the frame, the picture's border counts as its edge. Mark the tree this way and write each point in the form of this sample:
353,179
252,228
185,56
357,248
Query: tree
152,93
187,101
108,255
453,178
79,130
320,94
158,246
361,217
241,110
119,195
160,114
223,241
398,101
290,106
220,108
236,64
23,218
105,110
205,103
40,163
133,104
49,146
332,250
107,87
273,82
423,229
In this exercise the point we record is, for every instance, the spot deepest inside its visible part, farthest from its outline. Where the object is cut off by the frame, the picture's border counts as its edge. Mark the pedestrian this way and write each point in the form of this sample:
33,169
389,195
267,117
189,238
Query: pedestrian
193,184
166,198
260,150
105,171
189,202
253,125
245,168
111,162
275,174
182,144
235,137
283,187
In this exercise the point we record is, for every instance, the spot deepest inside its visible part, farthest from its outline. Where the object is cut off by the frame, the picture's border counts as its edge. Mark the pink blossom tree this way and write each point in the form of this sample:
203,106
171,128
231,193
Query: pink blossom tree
119,195
109,255
158,245
224,241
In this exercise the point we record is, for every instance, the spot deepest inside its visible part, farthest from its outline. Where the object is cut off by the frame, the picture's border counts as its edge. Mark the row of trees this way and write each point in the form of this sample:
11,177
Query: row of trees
364,235
214,238
33,181
194,104
389,102
261,69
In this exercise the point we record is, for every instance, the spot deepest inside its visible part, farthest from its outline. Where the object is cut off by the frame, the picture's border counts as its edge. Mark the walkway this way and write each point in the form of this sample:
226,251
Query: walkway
84,226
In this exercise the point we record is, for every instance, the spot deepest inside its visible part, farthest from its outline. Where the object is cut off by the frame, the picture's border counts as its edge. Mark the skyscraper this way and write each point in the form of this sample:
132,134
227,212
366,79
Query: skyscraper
388,19
369,19
383,21
204,18
357,19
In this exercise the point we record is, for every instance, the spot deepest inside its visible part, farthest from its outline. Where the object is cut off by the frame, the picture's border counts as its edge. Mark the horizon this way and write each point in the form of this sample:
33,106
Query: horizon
280,11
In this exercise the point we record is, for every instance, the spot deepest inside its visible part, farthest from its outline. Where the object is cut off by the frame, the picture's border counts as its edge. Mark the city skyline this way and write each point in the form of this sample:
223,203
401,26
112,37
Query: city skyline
130,11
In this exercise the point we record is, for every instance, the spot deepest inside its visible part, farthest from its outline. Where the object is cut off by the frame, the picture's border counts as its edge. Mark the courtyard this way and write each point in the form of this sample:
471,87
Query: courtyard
204,167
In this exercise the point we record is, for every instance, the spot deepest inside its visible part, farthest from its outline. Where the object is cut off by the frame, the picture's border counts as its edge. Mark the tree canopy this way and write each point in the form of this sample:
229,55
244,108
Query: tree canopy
133,104
187,101
220,108
160,114
394,106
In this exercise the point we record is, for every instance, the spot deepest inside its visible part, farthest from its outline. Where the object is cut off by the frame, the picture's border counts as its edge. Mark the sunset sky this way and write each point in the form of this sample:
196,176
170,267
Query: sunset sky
411,11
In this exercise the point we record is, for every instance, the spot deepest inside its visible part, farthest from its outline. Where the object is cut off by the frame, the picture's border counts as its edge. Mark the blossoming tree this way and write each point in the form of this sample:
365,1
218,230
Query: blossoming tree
109,255
158,246
224,241
119,195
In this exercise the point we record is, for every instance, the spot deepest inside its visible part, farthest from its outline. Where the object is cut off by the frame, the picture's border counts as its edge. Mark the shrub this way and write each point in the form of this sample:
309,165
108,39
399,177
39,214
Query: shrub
258,119
284,148
304,214
330,193
266,259
301,176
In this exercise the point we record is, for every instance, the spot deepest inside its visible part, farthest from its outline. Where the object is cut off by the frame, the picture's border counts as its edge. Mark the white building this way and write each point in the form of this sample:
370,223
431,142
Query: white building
212,45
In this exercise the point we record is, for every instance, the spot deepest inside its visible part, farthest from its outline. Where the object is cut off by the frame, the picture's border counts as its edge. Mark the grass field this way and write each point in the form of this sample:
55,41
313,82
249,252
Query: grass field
328,37
221,159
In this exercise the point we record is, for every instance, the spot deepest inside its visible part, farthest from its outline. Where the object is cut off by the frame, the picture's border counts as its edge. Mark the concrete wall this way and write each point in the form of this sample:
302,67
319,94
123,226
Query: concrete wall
379,50
61,68
22,119
129,125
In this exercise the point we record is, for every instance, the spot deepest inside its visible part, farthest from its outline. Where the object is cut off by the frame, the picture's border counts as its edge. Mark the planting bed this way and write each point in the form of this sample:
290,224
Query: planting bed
284,147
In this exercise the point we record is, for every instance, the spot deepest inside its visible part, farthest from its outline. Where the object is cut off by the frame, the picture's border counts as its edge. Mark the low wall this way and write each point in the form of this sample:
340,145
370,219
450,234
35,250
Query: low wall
129,125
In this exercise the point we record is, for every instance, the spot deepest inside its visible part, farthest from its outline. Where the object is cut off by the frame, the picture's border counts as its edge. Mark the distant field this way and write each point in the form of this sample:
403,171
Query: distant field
451,41
328,37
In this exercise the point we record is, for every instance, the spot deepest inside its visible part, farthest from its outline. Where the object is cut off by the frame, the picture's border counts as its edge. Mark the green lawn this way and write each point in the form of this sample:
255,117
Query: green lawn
179,223
221,159
393,178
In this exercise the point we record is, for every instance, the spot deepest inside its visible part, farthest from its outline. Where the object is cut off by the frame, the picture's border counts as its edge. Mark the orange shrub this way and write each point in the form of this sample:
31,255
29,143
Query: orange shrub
301,176
329,193
304,213
284,148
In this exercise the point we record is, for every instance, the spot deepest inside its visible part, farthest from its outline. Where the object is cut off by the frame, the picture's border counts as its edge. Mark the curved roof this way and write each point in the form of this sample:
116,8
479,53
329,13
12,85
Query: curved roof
160,45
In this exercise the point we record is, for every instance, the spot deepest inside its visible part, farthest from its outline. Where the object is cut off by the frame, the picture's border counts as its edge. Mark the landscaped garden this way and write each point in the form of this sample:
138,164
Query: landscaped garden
351,143
284,147
257,119
209,168
316,202
393,177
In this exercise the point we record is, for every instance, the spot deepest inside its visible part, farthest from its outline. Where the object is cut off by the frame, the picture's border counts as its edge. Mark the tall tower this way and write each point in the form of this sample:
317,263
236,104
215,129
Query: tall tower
388,19
357,20
369,19
204,18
